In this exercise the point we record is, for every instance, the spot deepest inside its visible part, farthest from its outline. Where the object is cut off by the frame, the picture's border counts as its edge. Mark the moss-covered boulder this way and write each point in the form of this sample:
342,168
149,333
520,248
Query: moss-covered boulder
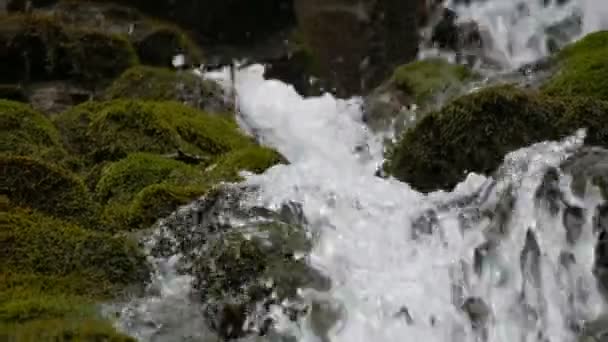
26,132
111,130
125,178
45,187
474,132
425,84
40,48
141,188
160,84
53,272
583,68
156,42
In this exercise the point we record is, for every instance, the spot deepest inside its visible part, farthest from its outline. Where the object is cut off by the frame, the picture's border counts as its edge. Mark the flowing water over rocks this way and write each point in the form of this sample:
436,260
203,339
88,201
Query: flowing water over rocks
512,256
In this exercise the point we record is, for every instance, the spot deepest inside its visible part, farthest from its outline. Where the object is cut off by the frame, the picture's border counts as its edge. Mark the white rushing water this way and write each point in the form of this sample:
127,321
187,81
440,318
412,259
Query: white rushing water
518,29
364,222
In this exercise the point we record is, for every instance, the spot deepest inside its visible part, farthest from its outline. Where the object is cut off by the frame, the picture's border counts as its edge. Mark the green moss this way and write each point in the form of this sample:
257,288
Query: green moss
157,84
583,68
39,245
160,200
122,180
117,128
424,79
53,272
63,330
38,185
26,132
40,48
254,159
473,134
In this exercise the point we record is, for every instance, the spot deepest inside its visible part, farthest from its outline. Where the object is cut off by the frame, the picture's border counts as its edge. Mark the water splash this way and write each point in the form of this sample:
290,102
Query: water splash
517,32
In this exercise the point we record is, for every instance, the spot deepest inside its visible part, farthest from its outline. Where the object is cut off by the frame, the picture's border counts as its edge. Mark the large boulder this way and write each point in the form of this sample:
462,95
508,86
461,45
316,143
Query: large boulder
358,43
474,132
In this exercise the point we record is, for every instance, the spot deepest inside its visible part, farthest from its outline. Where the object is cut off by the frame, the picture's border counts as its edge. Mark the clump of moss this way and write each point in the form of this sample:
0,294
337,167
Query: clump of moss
43,246
38,185
53,272
583,68
160,200
255,159
113,129
28,133
160,84
473,133
40,48
427,78
124,179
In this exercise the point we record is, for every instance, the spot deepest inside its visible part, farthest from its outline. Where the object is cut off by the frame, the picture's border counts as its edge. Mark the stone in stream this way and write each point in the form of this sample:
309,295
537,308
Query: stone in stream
244,260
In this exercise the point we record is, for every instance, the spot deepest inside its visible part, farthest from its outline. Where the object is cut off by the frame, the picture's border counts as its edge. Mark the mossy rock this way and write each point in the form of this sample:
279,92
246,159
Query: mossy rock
160,200
427,78
255,159
160,84
26,132
583,68
143,187
161,42
45,187
111,130
43,246
426,84
53,273
40,48
474,132
122,180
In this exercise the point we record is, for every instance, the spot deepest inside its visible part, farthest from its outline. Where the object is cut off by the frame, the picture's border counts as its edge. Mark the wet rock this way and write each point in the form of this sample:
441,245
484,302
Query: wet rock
244,259
574,220
426,224
529,260
588,166
357,44
595,330
600,218
548,192
477,311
